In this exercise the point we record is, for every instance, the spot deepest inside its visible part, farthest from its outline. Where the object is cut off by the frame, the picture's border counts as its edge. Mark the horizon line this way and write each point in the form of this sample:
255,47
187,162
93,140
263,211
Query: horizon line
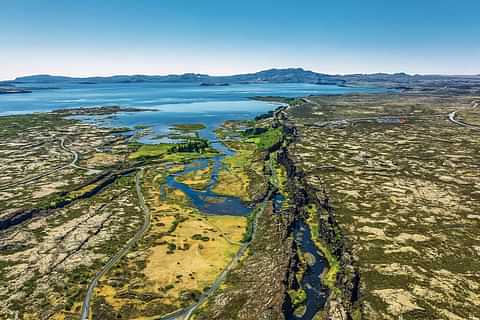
107,75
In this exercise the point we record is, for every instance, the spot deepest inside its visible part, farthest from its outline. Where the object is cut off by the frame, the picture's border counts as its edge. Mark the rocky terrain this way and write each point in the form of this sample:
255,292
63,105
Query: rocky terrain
44,154
398,185
65,206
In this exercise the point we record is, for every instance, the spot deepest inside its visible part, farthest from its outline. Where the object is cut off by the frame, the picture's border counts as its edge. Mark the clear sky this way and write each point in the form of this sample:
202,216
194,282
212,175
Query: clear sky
93,37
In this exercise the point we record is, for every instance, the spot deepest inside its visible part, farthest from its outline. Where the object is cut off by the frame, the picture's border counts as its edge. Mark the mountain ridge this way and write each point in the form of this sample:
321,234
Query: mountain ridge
401,81
268,75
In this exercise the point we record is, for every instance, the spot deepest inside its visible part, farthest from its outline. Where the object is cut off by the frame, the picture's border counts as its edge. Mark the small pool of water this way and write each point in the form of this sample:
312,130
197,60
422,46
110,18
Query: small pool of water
278,199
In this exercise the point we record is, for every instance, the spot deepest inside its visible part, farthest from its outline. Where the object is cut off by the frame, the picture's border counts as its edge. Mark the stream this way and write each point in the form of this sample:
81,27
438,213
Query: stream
316,292
206,200
311,282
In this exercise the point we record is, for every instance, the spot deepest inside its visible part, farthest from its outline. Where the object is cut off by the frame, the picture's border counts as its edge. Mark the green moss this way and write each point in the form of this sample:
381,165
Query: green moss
4,264
298,297
178,152
357,314
150,151
330,277
247,236
267,139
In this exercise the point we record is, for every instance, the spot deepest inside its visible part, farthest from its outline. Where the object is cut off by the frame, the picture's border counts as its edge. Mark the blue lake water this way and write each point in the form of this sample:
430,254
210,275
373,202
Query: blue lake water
170,97
212,114
174,102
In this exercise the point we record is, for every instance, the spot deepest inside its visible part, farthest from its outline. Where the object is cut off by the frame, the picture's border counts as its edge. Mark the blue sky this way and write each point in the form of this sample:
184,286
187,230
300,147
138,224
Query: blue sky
224,37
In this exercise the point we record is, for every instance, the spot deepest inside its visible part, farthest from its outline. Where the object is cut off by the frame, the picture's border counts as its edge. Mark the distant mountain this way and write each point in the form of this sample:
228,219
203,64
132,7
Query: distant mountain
41,78
112,79
289,75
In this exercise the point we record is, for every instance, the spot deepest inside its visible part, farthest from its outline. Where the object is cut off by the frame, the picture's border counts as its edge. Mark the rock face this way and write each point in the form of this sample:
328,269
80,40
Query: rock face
64,198
341,303
395,201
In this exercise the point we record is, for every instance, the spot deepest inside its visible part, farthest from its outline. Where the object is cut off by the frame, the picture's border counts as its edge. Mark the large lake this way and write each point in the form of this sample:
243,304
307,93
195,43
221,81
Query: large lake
175,102
178,97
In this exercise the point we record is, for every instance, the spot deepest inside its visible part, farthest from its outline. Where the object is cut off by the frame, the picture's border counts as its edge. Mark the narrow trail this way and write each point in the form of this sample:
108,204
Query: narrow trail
230,241
85,312
452,117
49,172
186,313
72,163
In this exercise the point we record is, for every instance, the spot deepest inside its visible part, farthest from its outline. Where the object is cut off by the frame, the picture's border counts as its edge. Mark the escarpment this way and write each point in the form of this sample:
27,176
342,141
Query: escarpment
343,301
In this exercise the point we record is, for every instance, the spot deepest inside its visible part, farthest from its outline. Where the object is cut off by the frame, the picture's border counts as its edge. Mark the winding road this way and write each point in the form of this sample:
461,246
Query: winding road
120,254
452,118
185,313
72,163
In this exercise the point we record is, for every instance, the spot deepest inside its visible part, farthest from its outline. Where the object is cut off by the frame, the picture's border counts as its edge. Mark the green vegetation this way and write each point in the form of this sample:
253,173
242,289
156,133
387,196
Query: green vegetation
182,157
199,145
278,174
330,277
58,200
11,125
4,264
200,237
255,131
357,313
197,179
400,179
298,297
243,173
247,236
171,247
268,138
150,151
168,151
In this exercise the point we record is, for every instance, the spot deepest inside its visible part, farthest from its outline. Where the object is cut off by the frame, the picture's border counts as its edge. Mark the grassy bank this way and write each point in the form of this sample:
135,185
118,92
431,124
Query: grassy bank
330,277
